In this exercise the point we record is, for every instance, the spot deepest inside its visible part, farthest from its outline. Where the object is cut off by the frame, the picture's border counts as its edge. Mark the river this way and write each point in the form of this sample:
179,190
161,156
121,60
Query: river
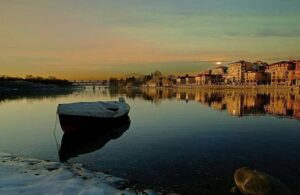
186,141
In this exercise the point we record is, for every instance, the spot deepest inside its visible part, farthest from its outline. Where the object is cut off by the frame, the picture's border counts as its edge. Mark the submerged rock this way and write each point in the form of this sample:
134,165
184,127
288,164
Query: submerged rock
149,192
252,182
235,190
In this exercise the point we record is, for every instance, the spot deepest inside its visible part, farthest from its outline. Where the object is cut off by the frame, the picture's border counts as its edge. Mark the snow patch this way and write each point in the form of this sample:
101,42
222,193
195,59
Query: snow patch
31,176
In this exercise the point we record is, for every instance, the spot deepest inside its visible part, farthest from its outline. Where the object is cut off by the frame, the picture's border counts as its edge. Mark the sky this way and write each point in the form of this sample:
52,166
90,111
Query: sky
94,39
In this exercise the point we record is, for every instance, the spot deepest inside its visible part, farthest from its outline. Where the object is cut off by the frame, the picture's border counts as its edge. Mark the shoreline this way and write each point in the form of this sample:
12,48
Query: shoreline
35,91
29,175
291,89
20,86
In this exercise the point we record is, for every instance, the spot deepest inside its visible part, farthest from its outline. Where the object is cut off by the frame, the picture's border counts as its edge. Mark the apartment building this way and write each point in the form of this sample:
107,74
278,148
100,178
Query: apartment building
236,71
281,73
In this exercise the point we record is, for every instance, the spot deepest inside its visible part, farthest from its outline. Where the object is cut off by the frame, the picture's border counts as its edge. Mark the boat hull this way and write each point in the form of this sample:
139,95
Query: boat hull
71,123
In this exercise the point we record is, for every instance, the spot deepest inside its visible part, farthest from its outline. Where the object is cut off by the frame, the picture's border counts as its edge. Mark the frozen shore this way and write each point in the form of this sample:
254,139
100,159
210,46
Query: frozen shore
20,175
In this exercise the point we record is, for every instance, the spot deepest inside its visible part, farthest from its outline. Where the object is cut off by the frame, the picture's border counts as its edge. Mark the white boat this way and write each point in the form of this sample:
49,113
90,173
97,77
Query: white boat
81,115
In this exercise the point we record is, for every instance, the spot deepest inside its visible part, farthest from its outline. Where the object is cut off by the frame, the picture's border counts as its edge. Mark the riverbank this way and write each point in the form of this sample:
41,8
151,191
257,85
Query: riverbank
32,176
260,88
19,86
21,89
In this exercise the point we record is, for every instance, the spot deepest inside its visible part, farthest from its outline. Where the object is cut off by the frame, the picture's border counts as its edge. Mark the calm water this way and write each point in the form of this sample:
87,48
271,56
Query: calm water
187,141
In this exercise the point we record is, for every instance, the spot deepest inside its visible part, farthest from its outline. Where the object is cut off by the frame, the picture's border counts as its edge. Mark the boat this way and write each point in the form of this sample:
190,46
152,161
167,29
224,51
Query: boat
79,142
90,115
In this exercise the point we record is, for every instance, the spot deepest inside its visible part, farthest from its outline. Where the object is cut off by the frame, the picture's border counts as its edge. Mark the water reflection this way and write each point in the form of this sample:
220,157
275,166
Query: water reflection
89,140
237,103
36,94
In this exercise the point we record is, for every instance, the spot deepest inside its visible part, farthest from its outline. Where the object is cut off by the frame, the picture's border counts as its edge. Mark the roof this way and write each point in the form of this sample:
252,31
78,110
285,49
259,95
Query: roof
253,72
282,62
203,74
223,67
241,61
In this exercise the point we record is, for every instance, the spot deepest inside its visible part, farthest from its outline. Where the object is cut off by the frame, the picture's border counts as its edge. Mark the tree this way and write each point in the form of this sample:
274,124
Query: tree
29,77
157,74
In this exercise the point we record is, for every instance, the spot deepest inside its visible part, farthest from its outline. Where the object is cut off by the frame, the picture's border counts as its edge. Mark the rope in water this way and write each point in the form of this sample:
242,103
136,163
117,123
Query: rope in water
54,132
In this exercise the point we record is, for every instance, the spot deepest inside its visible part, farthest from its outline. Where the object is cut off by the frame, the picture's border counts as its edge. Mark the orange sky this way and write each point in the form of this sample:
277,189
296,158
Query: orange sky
98,39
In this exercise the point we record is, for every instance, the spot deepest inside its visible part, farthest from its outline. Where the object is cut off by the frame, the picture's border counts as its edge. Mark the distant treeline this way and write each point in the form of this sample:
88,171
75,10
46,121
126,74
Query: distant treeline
129,81
39,80
134,81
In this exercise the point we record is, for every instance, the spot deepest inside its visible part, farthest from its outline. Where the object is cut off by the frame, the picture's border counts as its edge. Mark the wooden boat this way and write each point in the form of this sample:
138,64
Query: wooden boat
80,142
89,115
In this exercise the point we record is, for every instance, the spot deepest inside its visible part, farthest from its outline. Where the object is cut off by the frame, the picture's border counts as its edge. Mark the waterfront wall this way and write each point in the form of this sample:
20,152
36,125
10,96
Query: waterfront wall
259,88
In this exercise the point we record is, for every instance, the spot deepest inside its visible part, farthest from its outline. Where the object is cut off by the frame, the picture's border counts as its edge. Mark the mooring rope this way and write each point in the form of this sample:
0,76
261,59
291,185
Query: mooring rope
54,132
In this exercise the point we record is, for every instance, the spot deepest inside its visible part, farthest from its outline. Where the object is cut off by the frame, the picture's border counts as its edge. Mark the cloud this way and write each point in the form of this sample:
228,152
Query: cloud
266,32
290,32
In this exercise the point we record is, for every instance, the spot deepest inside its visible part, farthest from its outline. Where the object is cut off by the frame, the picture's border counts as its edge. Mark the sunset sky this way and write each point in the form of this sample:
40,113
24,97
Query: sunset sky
90,39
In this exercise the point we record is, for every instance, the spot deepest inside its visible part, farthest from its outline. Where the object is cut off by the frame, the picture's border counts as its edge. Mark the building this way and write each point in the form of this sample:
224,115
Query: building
181,80
220,70
254,78
297,73
190,80
294,75
281,73
172,78
166,82
291,77
152,83
209,79
259,66
236,71
202,79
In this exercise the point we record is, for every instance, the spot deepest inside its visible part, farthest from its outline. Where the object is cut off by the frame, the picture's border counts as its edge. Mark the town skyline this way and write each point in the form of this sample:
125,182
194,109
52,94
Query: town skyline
241,73
184,73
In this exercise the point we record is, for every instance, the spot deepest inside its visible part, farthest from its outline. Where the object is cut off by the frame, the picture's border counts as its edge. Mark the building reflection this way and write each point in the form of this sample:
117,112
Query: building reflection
284,105
235,102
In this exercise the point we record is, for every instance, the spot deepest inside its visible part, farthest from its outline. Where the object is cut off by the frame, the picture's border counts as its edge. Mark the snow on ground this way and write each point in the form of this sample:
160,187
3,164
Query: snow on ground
20,175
